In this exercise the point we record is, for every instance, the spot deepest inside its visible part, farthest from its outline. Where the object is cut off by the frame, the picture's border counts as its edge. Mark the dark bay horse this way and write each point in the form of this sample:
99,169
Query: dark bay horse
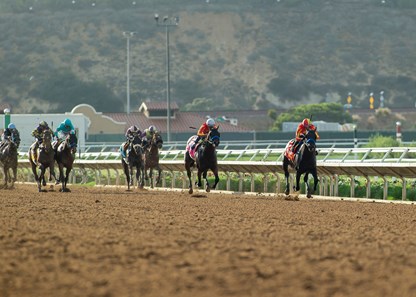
44,158
205,159
65,156
8,159
134,159
151,158
307,163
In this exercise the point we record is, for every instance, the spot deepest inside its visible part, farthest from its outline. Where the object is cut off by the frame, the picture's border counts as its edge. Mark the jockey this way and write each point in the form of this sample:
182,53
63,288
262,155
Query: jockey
203,131
131,132
38,132
148,135
64,129
10,130
303,128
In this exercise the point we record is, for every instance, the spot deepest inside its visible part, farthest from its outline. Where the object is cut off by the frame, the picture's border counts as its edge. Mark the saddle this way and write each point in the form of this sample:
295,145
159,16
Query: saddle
294,156
192,147
125,148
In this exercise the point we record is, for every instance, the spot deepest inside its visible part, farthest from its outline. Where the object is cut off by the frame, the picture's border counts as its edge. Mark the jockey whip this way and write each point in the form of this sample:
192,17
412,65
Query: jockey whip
190,127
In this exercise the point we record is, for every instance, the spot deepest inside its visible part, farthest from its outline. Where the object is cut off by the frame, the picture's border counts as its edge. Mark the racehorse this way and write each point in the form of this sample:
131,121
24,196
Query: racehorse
43,158
65,156
205,159
134,159
306,162
151,158
8,158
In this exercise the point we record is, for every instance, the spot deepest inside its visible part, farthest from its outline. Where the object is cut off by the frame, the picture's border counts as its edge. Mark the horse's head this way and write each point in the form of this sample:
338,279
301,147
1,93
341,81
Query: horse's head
214,137
310,140
47,136
157,140
137,148
136,139
72,142
46,139
15,138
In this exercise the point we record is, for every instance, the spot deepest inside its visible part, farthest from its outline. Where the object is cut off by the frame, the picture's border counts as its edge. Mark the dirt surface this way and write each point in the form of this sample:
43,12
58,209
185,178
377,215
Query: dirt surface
109,242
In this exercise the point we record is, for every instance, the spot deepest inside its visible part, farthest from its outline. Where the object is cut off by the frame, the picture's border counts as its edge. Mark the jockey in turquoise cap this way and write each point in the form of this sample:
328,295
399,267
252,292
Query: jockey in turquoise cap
64,129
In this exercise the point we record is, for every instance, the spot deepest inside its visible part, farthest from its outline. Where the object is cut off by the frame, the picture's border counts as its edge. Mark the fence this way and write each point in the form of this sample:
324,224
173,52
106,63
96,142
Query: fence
398,162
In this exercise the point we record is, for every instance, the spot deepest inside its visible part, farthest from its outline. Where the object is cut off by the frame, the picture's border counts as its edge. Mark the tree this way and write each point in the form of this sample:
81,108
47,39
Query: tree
64,88
329,112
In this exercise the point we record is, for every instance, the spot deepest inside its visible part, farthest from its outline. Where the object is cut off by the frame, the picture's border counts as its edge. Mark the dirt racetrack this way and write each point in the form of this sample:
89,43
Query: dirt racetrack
111,243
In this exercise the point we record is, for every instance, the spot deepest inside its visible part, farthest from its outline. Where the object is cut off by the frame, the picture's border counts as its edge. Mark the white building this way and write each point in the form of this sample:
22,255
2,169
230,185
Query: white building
26,123
320,126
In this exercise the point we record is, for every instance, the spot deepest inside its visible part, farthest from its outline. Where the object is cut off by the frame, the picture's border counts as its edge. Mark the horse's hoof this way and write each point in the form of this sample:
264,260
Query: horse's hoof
287,192
190,191
44,184
207,189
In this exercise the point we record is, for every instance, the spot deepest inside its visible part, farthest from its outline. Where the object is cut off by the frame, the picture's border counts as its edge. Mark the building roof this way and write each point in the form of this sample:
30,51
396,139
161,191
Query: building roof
153,105
180,123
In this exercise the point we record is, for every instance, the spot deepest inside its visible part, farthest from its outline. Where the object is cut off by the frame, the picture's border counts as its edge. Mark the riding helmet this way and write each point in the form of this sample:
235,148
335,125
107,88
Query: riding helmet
306,122
11,126
67,122
43,124
152,128
210,123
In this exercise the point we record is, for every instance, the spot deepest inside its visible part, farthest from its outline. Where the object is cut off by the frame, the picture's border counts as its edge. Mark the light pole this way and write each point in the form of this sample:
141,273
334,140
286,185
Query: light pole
167,22
128,35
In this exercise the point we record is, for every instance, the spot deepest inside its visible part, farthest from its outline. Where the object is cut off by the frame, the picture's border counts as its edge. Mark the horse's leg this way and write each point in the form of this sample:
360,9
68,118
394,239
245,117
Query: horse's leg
6,173
61,178
146,167
131,174
286,170
151,176
141,174
204,176
298,174
159,172
68,171
305,180
42,178
14,170
188,164
126,172
138,175
37,177
217,179
315,180
199,174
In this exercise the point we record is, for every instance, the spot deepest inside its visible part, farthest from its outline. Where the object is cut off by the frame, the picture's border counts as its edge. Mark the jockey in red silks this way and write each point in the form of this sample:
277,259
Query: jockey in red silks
303,128
203,131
